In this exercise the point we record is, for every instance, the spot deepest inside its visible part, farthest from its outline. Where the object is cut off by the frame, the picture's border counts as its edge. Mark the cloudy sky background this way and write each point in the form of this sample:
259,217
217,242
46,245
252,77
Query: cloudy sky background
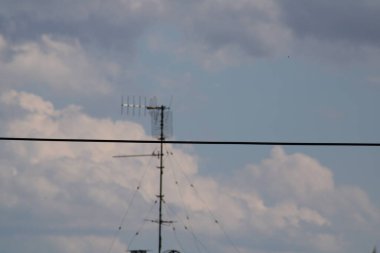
264,70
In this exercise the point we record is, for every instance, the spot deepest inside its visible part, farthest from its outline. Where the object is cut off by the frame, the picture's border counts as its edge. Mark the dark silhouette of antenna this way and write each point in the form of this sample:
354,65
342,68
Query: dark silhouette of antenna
161,128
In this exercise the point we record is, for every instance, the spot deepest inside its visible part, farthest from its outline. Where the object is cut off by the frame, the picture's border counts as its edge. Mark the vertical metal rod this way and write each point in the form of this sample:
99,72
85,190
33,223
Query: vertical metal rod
161,196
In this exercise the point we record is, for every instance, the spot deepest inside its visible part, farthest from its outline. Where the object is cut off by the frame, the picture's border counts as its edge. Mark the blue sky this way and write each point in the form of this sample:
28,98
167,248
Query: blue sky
249,70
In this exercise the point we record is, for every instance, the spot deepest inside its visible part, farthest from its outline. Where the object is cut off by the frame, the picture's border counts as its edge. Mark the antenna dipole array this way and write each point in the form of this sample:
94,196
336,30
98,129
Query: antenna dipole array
131,104
161,115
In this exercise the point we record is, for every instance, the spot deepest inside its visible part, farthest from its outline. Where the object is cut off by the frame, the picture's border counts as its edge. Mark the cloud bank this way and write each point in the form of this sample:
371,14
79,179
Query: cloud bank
70,197
211,31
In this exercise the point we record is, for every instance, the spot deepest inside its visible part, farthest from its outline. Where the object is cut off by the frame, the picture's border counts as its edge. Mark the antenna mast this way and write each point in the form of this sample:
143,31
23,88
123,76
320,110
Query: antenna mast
161,129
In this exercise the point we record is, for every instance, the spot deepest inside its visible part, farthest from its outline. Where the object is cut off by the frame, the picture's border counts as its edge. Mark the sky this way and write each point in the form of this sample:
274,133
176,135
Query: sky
243,70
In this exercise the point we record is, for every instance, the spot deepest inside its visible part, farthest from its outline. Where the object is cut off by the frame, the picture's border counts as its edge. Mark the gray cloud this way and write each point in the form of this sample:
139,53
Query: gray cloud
112,24
227,32
350,21
212,31
216,29
224,30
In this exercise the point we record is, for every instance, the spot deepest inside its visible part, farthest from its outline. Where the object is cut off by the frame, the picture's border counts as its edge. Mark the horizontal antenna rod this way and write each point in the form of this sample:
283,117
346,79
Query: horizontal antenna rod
263,143
128,156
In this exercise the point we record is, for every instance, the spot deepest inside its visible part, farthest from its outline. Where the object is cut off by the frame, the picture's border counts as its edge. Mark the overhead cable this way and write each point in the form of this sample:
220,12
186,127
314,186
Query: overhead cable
251,143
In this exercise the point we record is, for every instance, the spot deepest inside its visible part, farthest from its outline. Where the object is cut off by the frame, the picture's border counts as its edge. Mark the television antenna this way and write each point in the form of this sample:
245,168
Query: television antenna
161,128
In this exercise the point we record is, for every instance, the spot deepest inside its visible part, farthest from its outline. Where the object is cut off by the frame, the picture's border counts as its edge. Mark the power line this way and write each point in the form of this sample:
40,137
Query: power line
251,143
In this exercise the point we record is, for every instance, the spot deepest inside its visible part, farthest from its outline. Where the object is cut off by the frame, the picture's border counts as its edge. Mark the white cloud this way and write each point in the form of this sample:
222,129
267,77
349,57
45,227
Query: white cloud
295,176
299,196
58,65
68,188
28,102
79,192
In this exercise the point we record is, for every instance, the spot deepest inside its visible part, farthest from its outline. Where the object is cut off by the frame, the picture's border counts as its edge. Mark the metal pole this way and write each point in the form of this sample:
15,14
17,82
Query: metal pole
161,167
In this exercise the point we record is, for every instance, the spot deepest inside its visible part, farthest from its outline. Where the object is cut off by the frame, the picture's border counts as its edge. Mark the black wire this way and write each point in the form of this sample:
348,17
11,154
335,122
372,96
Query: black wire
263,143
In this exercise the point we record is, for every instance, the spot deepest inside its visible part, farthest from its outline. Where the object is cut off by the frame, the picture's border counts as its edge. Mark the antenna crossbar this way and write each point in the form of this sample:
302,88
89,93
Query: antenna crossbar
138,155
